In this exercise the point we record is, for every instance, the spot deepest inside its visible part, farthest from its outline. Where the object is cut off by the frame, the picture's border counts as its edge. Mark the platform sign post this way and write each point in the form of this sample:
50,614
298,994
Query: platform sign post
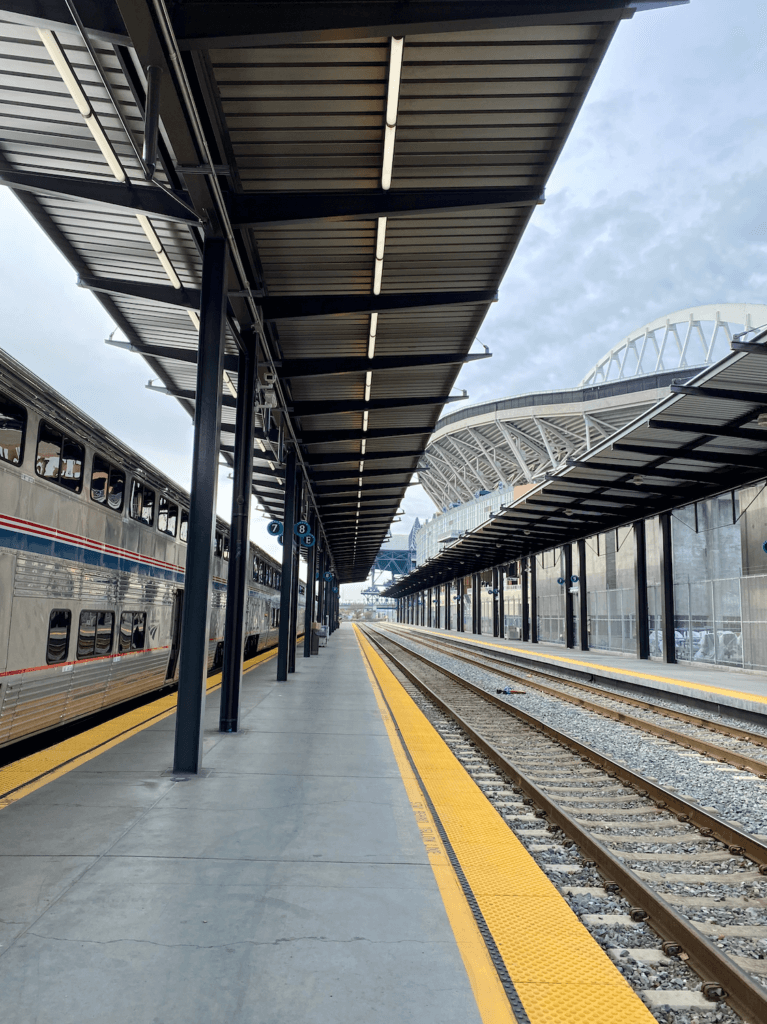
321,588
239,544
287,568
193,660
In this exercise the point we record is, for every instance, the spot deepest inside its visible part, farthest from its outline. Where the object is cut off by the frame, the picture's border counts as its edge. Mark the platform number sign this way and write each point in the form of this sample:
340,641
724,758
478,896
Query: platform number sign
275,528
301,529
306,540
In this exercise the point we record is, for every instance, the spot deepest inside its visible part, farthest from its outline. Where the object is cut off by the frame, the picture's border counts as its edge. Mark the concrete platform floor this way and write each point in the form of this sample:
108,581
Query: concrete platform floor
289,885
715,684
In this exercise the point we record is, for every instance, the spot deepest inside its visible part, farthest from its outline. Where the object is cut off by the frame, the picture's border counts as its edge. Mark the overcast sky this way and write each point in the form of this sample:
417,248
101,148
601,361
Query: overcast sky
657,203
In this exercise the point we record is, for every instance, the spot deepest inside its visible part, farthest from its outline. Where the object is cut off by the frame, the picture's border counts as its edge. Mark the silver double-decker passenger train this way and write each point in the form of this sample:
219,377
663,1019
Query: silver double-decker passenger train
92,555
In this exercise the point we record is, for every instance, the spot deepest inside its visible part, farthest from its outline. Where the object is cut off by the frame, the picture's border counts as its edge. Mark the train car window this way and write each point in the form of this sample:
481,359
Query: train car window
226,549
183,530
132,631
99,479
86,635
59,626
94,636
13,430
167,517
72,460
48,459
219,548
147,509
105,627
116,495
255,569
136,499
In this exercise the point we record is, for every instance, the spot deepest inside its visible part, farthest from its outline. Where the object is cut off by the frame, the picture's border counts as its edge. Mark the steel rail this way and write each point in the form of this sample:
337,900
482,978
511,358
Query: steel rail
723,754
503,658
722,979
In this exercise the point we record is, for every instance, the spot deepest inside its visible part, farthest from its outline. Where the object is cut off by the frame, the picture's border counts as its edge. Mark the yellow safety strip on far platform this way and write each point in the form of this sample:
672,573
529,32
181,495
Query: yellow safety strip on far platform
24,776
560,973
606,669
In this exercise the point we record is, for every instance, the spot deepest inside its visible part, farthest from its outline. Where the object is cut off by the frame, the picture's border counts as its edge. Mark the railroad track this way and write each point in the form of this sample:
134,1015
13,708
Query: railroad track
700,886
739,747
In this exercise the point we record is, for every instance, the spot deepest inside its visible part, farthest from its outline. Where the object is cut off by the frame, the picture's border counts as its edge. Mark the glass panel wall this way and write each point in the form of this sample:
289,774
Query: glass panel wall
467,604
512,610
611,598
551,596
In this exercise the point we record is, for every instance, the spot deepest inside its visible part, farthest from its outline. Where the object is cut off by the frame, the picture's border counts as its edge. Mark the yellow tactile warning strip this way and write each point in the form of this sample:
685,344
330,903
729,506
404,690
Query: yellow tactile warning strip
24,776
558,971
492,1002
608,670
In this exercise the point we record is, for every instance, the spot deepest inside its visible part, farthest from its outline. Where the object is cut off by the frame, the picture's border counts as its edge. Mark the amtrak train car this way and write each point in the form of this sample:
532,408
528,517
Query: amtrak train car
92,553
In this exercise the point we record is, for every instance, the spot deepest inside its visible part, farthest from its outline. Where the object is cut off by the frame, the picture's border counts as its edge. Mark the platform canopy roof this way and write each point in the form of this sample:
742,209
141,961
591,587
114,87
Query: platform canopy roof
708,436
372,165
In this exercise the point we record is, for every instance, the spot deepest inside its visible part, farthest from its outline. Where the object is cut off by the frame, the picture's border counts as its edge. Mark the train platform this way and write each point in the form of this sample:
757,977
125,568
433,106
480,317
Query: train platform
334,862
716,685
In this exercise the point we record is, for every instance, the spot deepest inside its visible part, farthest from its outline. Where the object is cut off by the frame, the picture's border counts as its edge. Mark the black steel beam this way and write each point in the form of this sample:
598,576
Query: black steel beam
294,307
323,437
668,618
711,429
667,474
295,368
640,585
222,25
323,476
754,347
146,199
184,355
725,394
333,458
193,664
187,298
251,209
567,551
329,407
694,455
239,544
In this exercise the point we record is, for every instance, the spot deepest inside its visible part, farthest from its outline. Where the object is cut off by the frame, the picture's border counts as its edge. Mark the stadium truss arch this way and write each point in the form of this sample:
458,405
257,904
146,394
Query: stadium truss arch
517,441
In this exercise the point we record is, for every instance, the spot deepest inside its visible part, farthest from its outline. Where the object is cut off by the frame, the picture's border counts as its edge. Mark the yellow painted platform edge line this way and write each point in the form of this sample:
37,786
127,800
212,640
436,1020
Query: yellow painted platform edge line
599,668
489,994
41,779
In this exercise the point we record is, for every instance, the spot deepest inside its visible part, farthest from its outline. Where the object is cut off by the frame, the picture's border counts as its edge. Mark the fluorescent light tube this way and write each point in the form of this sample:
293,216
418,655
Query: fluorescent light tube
372,335
395,74
363,445
380,238
365,420
388,156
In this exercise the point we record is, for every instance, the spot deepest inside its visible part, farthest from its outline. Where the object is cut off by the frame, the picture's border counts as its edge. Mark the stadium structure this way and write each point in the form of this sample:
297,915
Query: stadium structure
487,455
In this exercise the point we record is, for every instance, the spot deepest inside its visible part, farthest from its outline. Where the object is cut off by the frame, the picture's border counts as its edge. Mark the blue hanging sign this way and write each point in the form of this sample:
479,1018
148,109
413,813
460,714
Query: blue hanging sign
574,579
328,575
335,590
561,580
306,540
275,528
302,528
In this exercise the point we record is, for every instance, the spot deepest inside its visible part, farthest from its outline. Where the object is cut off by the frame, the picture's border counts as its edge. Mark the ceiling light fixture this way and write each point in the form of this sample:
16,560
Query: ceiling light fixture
368,384
380,247
392,102
363,446
365,421
372,335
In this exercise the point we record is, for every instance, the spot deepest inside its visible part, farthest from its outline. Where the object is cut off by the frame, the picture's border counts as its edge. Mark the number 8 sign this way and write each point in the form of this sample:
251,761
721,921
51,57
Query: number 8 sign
302,528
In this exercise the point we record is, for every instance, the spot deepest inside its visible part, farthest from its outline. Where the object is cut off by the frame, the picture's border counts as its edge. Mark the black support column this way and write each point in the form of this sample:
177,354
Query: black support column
296,579
239,542
525,600
286,591
640,582
667,589
567,551
311,563
533,601
448,606
583,597
476,604
496,606
193,664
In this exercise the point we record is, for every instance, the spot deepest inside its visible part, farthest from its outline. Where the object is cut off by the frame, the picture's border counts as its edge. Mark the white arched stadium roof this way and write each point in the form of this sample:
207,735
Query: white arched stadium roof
689,337
519,440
